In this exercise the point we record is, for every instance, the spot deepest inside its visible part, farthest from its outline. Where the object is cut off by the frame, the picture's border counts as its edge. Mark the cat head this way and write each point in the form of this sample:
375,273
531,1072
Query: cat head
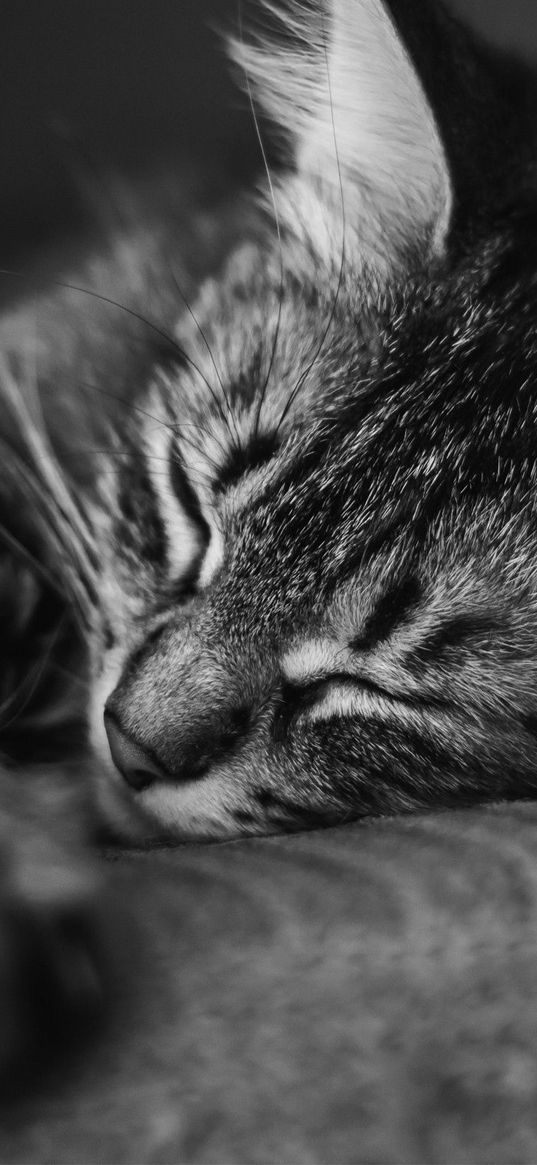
306,575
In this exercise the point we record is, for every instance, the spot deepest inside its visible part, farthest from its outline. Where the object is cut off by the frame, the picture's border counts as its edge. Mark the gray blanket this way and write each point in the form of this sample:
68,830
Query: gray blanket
367,994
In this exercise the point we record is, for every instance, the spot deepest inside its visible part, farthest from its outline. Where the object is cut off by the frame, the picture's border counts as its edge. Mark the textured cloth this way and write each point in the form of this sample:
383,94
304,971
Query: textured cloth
367,994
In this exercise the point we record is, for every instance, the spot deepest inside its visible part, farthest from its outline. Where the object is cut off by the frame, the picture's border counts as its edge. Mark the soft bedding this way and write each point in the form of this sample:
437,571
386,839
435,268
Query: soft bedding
365,994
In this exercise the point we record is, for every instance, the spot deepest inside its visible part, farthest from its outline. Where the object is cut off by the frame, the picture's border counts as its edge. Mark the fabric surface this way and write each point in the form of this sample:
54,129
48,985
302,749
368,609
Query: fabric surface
367,994
361,995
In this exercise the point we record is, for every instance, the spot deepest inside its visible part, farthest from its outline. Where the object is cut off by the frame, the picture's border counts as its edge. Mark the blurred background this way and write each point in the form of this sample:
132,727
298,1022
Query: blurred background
89,86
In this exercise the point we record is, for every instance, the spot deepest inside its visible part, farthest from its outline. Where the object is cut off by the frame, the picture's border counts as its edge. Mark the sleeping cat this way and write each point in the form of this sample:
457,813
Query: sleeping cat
302,564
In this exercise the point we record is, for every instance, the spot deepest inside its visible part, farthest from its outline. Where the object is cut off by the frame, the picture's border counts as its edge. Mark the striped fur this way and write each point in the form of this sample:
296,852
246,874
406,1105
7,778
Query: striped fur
306,566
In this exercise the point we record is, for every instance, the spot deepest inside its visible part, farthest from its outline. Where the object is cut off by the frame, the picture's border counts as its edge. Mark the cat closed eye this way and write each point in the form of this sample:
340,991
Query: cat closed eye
299,698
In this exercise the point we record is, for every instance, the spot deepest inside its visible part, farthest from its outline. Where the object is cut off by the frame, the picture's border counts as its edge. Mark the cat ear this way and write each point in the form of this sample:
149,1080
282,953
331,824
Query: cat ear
366,142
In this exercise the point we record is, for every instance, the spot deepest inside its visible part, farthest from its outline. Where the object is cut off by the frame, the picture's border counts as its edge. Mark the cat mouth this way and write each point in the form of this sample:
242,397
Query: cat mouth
119,812
121,816
168,814
160,813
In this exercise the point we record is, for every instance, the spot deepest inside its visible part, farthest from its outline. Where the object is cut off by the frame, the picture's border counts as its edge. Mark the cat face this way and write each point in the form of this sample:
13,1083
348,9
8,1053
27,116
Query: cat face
317,592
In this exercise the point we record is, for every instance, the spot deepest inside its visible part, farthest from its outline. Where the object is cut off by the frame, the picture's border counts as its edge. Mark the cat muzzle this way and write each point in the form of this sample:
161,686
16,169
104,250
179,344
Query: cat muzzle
136,765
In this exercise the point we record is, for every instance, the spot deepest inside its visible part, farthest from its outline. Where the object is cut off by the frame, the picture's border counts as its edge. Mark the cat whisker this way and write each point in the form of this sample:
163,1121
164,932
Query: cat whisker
79,577
181,354
305,374
24,555
34,676
205,341
37,442
123,224
197,479
215,465
200,428
257,127
170,427
60,535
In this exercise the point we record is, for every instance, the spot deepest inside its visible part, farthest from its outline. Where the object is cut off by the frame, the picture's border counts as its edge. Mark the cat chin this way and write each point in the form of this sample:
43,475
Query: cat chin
198,810
134,827
163,814
121,818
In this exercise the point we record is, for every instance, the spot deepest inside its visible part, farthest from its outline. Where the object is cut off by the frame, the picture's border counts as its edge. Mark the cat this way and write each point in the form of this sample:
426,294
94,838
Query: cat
299,571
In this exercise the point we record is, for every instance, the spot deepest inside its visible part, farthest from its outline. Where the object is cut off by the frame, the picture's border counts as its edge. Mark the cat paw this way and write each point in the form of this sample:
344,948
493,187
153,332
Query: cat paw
51,959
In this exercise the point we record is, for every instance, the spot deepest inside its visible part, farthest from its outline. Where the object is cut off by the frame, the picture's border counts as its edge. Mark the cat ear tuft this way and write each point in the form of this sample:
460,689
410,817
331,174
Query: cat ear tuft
367,147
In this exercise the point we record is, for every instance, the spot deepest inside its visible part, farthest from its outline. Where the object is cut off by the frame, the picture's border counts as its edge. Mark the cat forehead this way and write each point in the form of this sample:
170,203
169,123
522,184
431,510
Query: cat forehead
316,495
259,341
245,467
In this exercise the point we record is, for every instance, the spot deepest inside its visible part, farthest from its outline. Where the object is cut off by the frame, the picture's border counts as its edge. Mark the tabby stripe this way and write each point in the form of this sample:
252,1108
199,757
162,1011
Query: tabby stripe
384,537
452,633
186,495
396,606
258,451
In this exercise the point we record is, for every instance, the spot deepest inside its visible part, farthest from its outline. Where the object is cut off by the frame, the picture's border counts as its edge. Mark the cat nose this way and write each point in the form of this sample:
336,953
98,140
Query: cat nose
137,767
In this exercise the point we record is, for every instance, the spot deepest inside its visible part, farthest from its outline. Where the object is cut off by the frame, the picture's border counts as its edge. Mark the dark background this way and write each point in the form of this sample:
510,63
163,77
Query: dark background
87,86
